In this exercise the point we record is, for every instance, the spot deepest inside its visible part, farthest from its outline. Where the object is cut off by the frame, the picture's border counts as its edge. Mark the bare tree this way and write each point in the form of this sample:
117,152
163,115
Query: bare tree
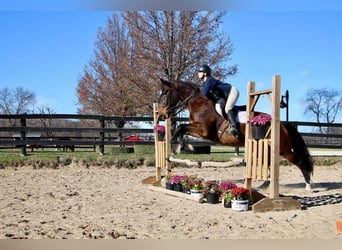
174,44
138,48
46,122
324,104
16,101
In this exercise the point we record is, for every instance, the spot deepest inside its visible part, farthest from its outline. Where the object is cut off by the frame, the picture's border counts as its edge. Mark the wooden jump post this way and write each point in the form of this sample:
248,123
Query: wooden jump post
262,156
162,147
162,156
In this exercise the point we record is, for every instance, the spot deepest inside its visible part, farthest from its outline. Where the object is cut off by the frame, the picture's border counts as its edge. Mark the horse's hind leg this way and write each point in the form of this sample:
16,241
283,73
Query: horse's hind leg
291,156
294,149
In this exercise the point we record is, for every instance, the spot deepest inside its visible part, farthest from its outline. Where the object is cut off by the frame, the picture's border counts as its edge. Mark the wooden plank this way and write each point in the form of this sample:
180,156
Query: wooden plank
176,194
275,138
255,157
253,103
276,204
261,92
167,144
266,164
260,158
249,159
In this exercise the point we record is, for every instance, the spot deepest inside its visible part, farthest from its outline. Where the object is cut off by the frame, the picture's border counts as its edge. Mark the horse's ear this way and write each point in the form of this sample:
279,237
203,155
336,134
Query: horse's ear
165,84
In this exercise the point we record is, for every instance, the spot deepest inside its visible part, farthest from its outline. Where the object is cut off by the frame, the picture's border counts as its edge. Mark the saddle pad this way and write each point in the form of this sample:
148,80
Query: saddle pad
241,117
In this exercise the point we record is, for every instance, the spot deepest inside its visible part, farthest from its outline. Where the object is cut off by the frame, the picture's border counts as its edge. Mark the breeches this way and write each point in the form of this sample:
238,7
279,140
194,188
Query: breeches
232,99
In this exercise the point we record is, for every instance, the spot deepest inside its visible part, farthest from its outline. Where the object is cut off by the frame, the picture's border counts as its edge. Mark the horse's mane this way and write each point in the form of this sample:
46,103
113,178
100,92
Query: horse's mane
191,85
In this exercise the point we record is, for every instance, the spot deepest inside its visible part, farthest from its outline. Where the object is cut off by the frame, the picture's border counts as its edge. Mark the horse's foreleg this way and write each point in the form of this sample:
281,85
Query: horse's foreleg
181,130
177,139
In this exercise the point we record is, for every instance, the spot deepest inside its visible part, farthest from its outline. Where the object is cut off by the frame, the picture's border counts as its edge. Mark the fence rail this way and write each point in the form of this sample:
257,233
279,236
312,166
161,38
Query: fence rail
15,131
331,137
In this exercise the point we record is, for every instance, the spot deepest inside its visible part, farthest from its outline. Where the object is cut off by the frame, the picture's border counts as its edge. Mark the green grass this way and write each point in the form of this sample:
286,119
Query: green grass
114,155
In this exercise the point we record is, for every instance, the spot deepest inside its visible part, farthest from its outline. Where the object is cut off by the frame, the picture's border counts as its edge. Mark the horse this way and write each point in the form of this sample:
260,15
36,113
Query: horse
205,122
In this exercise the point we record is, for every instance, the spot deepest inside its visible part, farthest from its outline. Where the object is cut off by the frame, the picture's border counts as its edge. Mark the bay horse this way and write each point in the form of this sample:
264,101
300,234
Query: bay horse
205,122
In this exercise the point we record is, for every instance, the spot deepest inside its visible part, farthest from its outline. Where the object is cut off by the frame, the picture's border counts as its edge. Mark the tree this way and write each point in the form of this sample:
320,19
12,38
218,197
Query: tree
138,48
16,101
324,104
46,122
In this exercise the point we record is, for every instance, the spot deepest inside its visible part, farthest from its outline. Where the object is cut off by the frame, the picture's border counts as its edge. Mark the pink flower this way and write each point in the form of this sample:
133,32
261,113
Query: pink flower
261,119
175,179
226,185
159,128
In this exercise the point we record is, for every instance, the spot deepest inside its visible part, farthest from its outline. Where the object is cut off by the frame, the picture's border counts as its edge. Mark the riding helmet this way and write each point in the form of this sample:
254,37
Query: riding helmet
205,68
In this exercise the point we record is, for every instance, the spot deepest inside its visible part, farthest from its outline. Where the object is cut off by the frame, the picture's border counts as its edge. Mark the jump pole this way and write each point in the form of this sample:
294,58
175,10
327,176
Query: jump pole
262,155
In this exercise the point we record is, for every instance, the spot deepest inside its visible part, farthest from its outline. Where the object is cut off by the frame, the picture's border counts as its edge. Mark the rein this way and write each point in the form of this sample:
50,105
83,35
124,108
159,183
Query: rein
180,105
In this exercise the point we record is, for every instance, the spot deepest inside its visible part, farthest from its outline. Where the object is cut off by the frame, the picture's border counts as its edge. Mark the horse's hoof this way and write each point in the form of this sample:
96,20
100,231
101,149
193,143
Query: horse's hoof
308,187
189,147
177,149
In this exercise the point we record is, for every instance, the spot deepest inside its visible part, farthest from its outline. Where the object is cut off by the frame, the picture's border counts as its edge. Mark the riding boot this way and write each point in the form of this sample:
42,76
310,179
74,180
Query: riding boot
233,128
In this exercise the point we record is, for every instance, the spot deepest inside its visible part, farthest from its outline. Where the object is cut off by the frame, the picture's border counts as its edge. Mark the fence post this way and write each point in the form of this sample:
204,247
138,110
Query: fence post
101,146
22,136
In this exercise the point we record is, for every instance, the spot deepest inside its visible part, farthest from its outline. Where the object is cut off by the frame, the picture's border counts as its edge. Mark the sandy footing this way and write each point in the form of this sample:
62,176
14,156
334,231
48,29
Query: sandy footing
80,203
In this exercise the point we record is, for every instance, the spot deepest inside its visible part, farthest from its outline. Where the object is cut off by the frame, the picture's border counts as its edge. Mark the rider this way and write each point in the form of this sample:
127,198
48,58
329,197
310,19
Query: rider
216,89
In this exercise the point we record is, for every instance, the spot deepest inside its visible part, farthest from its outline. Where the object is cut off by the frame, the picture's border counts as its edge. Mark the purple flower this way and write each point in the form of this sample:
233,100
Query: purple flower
226,185
261,119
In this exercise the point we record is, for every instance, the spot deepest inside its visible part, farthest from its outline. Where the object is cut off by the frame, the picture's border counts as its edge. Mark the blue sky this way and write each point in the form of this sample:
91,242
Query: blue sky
45,50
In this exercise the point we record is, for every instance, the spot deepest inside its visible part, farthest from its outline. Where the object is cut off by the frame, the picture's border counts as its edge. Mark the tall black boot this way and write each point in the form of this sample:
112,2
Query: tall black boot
233,128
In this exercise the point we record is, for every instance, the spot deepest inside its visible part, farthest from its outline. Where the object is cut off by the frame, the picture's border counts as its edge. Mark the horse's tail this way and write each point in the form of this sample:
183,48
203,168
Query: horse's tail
303,157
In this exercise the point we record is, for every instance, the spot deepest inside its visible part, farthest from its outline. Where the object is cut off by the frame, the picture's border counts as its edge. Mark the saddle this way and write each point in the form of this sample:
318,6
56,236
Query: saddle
225,124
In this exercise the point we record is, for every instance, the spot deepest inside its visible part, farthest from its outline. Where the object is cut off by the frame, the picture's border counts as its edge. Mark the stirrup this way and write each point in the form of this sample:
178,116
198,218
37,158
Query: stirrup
234,132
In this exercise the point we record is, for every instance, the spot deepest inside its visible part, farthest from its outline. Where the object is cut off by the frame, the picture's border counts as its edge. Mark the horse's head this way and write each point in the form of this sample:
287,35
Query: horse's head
175,94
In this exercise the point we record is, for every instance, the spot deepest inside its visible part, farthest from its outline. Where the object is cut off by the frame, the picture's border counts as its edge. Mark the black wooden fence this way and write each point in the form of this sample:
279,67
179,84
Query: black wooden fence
96,130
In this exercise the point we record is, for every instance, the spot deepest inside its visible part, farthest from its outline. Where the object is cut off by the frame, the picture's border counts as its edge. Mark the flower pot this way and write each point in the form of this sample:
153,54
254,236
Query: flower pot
186,190
161,136
258,132
240,205
178,187
170,186
212,198
197,193
227,204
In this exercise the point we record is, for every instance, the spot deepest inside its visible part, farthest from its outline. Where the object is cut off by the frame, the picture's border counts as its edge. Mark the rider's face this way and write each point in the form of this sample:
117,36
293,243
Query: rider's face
201,75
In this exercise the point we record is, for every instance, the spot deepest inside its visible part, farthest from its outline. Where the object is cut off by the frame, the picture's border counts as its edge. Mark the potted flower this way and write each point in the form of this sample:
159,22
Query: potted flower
175,180
186,183
167,181
227,198
212,191
240,198
196,186
259,125
160,130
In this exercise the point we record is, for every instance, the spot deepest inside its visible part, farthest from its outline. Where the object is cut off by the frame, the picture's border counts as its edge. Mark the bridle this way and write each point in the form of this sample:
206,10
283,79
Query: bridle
180,105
